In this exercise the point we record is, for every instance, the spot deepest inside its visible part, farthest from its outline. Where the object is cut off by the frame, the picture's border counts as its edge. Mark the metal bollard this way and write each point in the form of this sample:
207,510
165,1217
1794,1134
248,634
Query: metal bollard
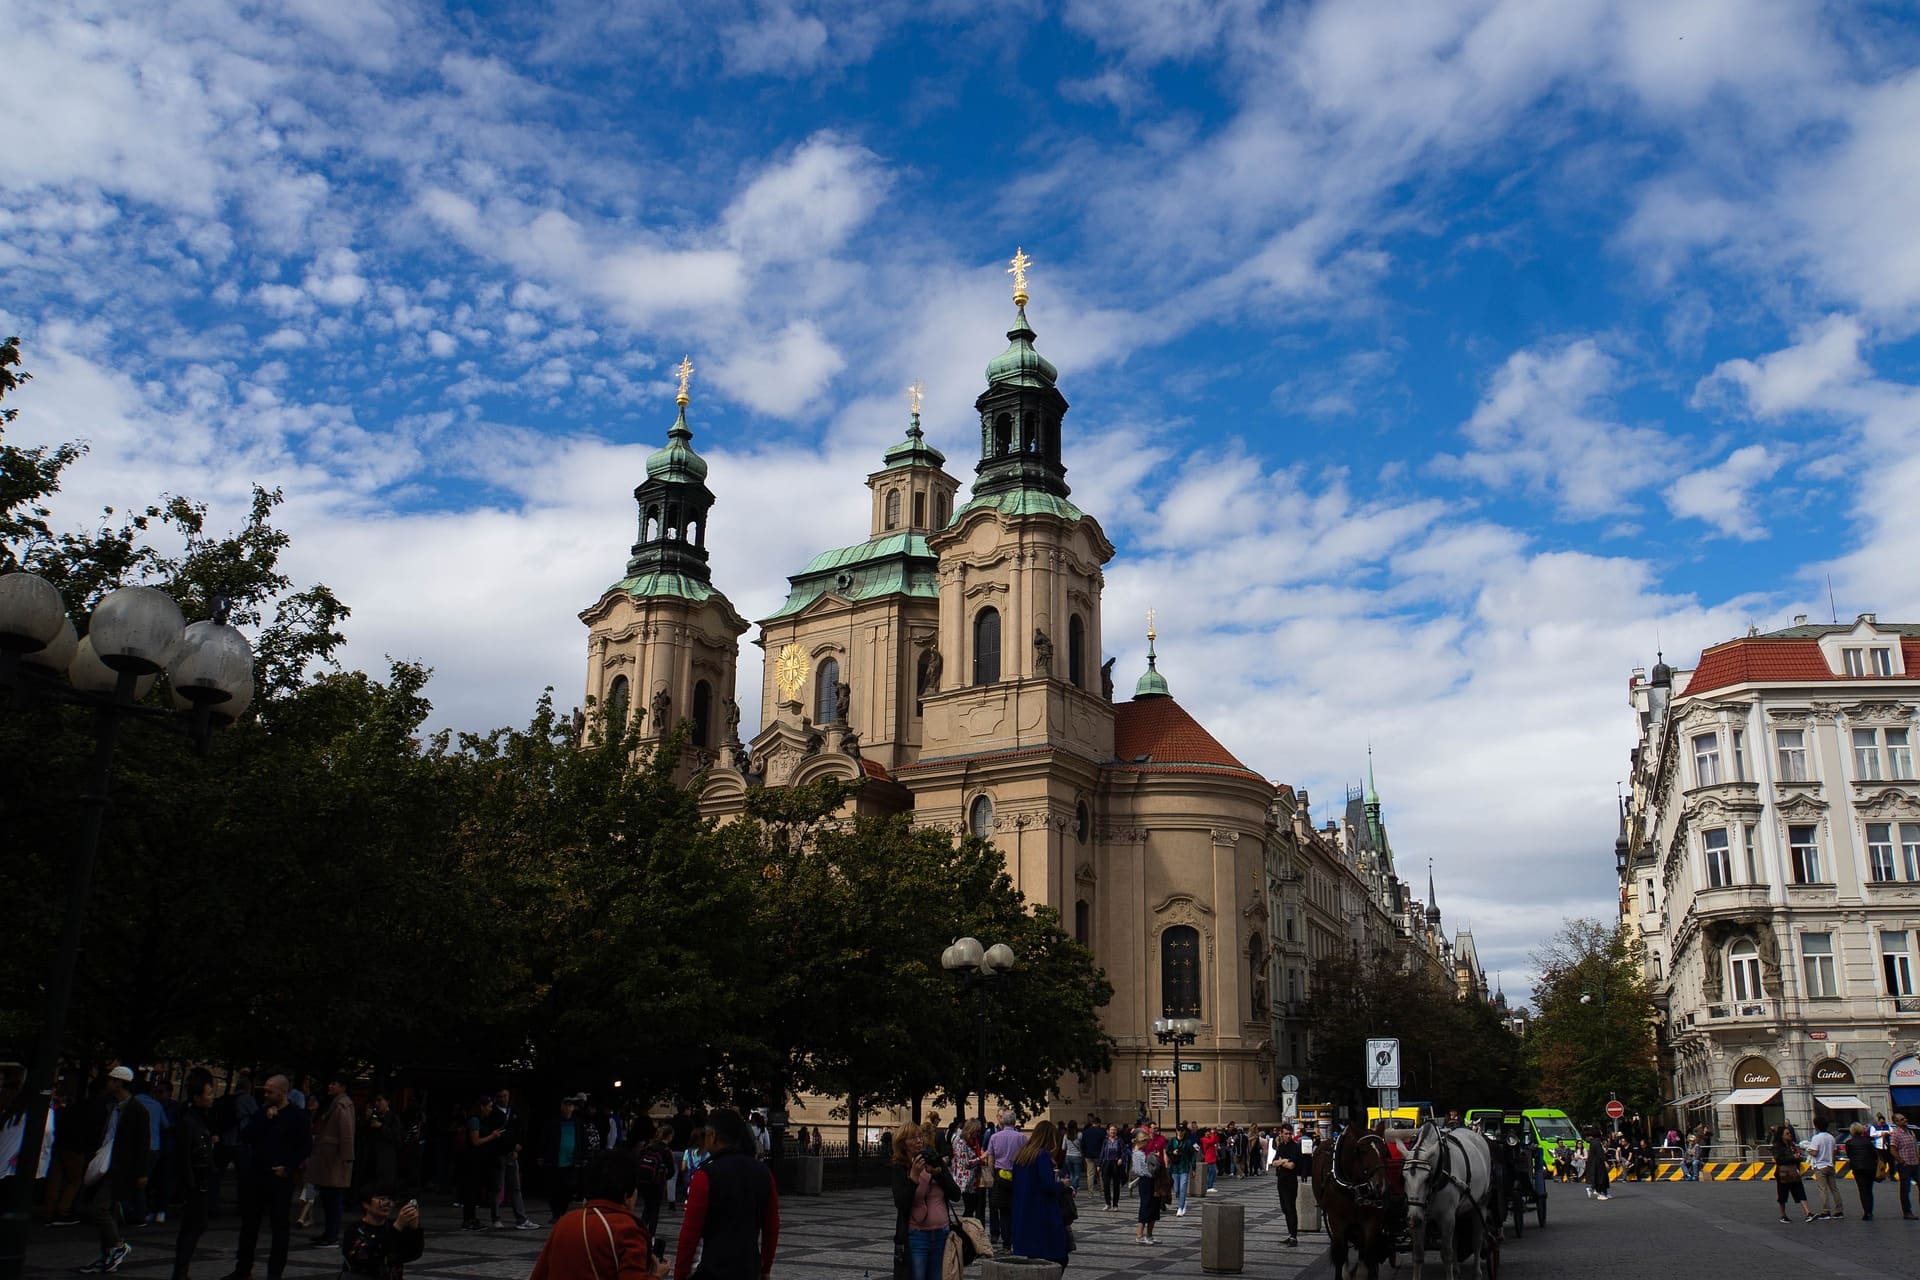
1223,1237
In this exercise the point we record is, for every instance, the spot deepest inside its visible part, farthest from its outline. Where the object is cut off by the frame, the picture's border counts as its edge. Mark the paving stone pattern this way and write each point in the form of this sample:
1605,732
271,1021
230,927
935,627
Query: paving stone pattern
846,1235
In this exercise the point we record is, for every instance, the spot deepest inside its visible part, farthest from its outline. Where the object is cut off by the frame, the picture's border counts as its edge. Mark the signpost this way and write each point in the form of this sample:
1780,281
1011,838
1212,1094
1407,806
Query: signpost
1189,1066
1615,1110
1383,1072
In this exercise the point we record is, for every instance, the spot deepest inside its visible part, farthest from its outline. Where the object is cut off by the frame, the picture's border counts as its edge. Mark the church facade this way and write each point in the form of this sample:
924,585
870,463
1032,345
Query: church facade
950,664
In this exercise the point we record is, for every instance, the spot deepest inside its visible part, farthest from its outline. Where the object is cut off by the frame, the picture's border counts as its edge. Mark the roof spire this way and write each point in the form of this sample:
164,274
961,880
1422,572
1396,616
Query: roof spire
1433,898
1373,793
914,395
1152,684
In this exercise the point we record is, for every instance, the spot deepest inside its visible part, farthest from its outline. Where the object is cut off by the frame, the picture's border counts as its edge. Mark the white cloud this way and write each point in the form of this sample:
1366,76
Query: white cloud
1724,495
781,376
1825,357
441,344
806,204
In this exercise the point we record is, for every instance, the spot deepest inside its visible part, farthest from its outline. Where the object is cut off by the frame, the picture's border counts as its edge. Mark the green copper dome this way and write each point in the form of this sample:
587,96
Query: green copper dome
678,461
914,450
1152,684
1020,365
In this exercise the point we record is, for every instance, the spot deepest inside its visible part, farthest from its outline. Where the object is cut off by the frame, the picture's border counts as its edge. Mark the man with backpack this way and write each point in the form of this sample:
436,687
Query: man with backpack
655,1165
124,1147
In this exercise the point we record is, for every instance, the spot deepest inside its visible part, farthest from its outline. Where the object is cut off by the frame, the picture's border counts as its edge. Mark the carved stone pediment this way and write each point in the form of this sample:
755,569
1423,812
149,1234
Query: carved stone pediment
1182,903
1084,874
985,588
1878,801
1788,718
1877,713
1801,805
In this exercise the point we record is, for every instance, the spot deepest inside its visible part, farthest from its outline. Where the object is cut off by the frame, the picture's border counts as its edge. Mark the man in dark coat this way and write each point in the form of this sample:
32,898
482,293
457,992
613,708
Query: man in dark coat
278,1140
732,1209
1287,1166
194,1141
127,1134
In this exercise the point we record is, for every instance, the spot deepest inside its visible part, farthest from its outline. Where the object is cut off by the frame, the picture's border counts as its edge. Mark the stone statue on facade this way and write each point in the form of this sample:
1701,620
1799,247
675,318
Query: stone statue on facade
1106,678
842,701
1042,651
930,672
661,701
733,720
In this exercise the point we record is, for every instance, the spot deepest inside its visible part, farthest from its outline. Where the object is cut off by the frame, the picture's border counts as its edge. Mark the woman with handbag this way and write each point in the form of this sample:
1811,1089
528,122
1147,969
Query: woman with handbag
603,1239
1146,1168
1786,1171
1042,1204
921,1189
970,1172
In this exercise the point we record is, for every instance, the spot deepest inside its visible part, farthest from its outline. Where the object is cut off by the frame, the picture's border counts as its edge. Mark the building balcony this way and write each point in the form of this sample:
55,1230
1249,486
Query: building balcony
1732,795
1728,1011
1731,901
1812,895
1904,1007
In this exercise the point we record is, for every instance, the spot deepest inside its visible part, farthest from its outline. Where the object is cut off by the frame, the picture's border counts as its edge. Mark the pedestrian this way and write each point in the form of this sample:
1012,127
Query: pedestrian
1820,1148
304,1188
1002,1147
655,1160
1786,1171
1210,1158
1092,1139
1039,1198
1076,1158
1863,1162
77,1126
602,1239
194,1145
125,1144
330,1168
1904,1150
922,1186
692,1158
1287,1164
1690,1165
278,1140
511,1144
387,1237
486,1130
1879,1131
562,1156
733,1211
148,1204
1181,1157
970,1172
1113,1167
682,1137
1599,1170
377,1162
1145,1166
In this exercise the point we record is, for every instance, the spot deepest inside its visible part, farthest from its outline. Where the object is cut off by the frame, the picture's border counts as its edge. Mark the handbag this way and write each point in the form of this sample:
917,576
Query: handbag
1069,1207
102,1161
1787,1173
974,1240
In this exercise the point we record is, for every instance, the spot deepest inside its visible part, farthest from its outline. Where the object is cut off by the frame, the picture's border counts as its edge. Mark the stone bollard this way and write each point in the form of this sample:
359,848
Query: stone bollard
810,1176
1308,1208
1223,1237
1014,1267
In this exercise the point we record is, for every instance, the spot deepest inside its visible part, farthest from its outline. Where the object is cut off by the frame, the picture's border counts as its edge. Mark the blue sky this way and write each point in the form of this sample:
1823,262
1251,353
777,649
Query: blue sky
1430,364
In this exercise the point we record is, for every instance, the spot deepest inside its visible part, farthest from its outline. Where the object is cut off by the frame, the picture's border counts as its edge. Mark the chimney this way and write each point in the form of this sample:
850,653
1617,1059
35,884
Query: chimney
1868,618
1799,619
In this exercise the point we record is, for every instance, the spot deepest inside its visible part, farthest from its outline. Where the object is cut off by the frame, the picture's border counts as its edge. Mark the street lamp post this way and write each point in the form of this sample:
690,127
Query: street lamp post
975,966
1597,996
1176,1032
135,633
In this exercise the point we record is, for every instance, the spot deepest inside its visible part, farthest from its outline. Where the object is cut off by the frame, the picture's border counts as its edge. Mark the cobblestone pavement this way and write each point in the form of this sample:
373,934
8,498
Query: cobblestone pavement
841,1236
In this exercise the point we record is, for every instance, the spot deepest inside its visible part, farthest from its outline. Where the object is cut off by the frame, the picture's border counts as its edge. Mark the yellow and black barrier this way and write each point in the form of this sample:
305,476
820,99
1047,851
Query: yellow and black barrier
1719,1171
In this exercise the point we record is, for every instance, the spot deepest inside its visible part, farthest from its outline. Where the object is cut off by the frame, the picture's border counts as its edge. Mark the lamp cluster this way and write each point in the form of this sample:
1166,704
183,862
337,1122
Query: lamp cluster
135,631
967,953
1176,1030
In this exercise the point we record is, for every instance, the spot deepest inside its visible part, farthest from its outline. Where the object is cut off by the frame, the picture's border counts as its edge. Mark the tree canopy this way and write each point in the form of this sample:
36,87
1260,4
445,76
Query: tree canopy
1593,1031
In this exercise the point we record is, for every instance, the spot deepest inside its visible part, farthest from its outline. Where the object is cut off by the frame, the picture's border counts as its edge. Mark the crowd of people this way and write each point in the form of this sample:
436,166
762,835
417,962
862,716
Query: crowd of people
129,1155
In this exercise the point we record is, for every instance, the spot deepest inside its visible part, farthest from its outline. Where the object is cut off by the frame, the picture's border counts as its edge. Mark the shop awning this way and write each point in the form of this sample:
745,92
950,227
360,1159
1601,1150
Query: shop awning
1750,1097
1839,1102
1687,1103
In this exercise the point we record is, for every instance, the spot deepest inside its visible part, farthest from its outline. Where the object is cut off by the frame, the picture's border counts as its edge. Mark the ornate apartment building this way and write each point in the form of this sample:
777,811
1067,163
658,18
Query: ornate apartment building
1769,858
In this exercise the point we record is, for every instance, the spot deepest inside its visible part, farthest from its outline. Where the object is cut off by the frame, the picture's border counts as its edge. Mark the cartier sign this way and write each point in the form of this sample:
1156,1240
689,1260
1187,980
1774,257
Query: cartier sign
1755,1073
1832,1071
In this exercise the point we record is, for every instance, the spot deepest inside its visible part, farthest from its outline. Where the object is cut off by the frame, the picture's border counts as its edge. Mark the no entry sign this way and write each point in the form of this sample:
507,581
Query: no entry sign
1615,1110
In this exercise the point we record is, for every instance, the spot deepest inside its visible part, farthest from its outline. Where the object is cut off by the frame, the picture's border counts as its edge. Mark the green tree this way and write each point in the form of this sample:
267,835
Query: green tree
1592,1035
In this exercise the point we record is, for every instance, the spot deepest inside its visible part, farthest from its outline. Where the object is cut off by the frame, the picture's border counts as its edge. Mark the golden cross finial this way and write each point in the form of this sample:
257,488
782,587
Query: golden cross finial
685,370
1150,633
1019,273
914,395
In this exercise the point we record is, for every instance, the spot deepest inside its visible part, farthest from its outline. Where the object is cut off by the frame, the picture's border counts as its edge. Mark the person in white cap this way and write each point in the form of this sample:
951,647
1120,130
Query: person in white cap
124,1144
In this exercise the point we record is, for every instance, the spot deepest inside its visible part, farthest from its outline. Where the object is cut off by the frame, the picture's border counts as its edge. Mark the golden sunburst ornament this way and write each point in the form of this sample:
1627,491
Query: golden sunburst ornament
790,671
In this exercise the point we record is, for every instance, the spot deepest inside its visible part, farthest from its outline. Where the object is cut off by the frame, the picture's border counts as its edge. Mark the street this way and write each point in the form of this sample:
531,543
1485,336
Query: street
1700,1231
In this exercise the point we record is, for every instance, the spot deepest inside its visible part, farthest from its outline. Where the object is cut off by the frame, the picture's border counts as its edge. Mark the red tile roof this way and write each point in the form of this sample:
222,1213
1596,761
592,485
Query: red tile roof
1910,655
1758,658
1161,729
874,769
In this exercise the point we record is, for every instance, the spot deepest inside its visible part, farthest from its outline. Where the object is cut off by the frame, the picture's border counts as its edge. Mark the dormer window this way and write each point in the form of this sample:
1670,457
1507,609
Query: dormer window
1881,660
1854,661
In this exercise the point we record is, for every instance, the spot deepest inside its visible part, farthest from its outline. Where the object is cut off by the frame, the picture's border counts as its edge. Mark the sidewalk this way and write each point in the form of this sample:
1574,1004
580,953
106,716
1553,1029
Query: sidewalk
843,1236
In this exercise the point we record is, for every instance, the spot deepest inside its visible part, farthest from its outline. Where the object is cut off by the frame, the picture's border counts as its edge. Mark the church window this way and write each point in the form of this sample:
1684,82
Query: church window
986,647
1082,822
941,510
1083,923
617,700
703,714
1002,434
919,510
826,700
1180,972
980,817
893,508
1029,433
652,530
1076,652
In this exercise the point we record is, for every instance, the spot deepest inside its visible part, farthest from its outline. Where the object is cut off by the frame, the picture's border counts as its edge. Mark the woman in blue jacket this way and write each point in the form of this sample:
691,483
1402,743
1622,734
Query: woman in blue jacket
1039,1196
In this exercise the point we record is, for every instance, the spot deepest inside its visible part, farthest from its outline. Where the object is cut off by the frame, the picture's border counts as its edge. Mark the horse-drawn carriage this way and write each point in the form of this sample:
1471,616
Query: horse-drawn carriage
1384,1190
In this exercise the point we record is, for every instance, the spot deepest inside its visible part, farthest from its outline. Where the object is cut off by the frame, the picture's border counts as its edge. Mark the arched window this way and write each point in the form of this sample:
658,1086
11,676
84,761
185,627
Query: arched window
1002,434
1076,652
826,700
653,524
942,508
1029,433
986,647
980,817
1180,972
893,508
1082,822
1743,958
919,510
1083,923
703,714
618,699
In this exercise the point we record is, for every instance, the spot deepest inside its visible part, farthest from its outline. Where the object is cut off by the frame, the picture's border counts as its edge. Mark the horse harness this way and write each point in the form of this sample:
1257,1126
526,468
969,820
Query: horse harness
1441,1168
1370,1189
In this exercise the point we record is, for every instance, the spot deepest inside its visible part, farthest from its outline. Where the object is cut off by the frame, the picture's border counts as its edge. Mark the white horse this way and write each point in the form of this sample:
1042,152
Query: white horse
1449,1181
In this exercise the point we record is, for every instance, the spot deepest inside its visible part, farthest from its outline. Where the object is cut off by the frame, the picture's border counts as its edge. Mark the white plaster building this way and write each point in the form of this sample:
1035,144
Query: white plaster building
1770,859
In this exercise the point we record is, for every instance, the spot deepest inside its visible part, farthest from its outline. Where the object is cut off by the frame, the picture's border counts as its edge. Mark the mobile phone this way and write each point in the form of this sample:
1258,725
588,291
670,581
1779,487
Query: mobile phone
659,1247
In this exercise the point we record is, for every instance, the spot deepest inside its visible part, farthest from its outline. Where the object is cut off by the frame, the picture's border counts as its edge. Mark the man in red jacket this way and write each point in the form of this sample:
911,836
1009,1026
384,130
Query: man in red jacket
733,1211
602,1239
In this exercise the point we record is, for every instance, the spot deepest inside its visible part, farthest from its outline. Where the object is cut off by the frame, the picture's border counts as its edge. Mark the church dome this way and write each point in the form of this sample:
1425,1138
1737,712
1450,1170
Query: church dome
678,461
1020,365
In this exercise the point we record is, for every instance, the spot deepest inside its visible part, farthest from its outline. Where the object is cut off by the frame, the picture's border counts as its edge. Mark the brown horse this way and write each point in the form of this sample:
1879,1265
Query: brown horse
1350,1184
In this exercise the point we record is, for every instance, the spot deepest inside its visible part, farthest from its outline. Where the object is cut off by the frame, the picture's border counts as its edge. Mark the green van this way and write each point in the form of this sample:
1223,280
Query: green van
1545,1125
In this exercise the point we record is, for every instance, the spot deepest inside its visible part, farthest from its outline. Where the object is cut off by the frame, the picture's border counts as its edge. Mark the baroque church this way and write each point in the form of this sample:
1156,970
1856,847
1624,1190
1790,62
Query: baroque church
951,666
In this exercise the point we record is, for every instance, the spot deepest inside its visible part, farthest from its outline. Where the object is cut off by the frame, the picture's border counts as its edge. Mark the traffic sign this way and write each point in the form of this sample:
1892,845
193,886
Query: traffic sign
1290,1083
1289,1104
1189,1066
1383,1064
1615,1110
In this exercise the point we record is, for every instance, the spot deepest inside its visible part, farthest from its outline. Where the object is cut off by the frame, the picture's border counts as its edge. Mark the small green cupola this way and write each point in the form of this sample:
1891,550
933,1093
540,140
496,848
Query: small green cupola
914,451
674,501
1020,411
1152,684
